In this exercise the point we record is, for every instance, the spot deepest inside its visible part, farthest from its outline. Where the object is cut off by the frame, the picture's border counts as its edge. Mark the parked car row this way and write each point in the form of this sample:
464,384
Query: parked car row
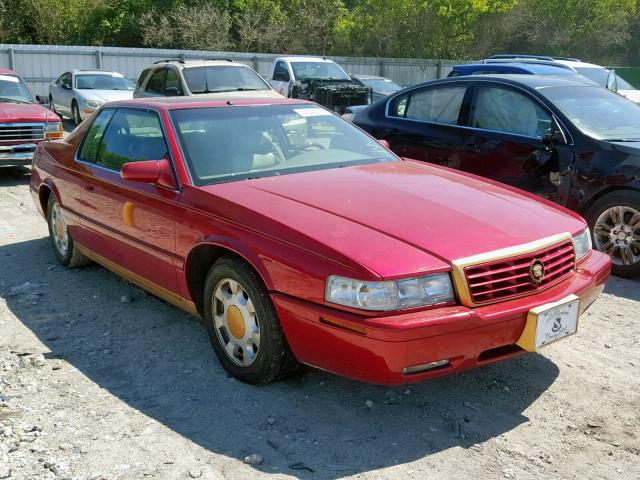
376,250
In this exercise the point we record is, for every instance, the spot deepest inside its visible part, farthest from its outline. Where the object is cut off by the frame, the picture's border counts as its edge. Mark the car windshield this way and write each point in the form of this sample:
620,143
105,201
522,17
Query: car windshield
318,71
222,78
245,142
103,81
13,90
597,112
381,85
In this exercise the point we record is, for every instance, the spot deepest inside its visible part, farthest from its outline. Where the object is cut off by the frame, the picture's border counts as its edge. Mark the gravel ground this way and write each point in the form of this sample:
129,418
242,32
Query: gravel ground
99,380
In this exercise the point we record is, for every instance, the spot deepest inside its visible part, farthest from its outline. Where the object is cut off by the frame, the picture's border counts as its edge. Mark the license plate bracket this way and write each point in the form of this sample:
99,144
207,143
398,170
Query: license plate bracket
549,323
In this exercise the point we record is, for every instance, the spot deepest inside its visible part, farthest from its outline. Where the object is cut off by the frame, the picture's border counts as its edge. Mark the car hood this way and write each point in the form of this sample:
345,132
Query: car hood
630,148
390,217
105,95
23,112
633,95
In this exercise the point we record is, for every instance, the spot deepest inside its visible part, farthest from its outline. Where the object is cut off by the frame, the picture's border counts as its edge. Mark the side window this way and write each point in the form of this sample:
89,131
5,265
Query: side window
438,105
280,73
156,82
133,135
66,79
172,85
94,135
506,110
143,75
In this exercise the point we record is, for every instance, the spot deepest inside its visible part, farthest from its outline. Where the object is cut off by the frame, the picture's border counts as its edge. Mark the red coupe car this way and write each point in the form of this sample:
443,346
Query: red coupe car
299,238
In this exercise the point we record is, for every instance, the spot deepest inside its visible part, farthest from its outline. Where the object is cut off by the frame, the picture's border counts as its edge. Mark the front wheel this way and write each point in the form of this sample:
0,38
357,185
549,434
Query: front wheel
65,249
615,226
75,111
52,107
243,325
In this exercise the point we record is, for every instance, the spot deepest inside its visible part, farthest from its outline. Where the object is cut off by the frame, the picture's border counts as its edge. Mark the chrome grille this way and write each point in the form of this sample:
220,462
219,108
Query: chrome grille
16,132
507,278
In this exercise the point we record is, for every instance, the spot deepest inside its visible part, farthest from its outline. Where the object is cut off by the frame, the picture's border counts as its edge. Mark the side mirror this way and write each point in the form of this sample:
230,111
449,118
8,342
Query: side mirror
42,100
612,81
149,171
553,137
66,86
384,143
171,92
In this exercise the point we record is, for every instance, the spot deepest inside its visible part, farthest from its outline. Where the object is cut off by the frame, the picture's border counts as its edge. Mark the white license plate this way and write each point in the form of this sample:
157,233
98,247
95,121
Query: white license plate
556,322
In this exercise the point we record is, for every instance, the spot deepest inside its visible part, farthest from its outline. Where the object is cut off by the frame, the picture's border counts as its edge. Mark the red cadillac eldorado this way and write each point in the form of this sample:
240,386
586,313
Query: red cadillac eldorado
300,239
23,121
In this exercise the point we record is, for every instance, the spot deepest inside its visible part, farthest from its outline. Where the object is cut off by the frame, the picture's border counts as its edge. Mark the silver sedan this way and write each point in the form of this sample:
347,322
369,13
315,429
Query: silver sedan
78,93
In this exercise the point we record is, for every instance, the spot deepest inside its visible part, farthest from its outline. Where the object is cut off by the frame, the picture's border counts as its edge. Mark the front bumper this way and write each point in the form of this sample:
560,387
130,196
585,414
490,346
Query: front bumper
378,349
15,155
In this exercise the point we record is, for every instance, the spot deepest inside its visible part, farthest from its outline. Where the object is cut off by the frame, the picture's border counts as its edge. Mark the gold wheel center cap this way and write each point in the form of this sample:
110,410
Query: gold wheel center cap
235,321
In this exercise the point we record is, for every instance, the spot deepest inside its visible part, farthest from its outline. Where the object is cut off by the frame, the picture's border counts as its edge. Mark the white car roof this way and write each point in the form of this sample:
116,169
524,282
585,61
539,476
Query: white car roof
306,59
97,72
574,64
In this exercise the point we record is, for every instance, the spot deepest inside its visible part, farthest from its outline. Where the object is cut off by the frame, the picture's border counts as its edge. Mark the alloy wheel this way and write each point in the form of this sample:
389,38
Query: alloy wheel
59,230
617,232
235,322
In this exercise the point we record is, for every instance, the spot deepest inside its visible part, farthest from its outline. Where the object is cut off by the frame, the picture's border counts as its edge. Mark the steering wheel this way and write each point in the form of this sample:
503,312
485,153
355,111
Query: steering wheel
307,146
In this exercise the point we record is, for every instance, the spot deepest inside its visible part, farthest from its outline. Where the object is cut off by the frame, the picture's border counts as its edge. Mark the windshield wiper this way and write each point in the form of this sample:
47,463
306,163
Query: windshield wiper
223,90
13,100
621,140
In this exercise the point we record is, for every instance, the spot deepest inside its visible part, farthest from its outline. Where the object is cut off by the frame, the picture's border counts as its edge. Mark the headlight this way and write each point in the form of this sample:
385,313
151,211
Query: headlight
582,244
93,104
53,130
390,295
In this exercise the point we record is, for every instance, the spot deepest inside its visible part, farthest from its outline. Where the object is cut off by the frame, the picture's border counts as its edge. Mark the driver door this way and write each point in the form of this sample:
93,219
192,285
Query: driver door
131,224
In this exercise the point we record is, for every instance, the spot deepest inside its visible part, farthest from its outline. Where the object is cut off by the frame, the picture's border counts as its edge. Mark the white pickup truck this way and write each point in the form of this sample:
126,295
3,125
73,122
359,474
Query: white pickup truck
317,79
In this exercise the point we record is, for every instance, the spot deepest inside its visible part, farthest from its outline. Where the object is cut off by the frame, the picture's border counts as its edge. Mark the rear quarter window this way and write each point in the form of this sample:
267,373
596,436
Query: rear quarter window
143,75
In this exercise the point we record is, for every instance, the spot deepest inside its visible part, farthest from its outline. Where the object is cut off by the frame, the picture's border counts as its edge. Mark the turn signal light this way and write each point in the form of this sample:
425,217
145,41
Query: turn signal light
53,130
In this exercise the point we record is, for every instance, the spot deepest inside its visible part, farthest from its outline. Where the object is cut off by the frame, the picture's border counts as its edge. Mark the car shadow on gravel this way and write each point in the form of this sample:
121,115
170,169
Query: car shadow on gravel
158,360
624,288
12,176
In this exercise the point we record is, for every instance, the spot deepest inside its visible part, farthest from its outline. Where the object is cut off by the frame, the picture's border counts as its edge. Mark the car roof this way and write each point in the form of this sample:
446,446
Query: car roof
174,103
532,81
368,77
566,62
95,72
531,68
204,62
302,58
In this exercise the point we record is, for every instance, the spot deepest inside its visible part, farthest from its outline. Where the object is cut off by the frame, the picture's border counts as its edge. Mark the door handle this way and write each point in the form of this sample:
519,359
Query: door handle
472,148
89,188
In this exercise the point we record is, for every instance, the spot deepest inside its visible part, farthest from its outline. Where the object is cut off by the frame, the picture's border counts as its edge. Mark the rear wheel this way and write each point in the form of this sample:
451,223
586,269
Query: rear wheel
243,326
615,225
64,248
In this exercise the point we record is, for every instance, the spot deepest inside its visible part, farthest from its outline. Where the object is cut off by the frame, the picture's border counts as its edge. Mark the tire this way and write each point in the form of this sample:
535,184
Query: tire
614,221
75,113
234,345
69,256
52,107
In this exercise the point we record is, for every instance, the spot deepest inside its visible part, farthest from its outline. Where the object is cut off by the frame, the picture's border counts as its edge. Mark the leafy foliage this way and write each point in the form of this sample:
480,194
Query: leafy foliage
603,31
